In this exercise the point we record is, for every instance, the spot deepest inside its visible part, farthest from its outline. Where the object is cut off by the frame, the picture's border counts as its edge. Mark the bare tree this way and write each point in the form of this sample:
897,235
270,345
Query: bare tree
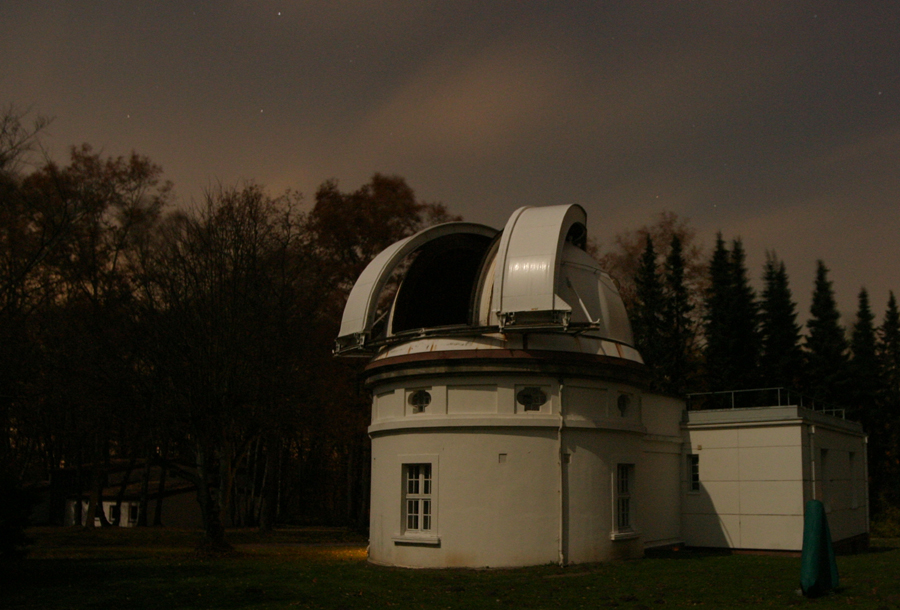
19,137
66,236
622,260
225,297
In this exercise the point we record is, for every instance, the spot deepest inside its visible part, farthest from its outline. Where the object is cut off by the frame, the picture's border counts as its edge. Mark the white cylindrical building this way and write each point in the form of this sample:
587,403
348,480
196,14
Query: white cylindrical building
511,422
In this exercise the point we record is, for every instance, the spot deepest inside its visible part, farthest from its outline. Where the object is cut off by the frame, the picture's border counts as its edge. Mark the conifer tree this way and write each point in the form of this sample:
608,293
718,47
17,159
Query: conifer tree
865,394
744,335
781,358
888,347
886,465
732,336
864,364
826,345
717,318
647,320
678,327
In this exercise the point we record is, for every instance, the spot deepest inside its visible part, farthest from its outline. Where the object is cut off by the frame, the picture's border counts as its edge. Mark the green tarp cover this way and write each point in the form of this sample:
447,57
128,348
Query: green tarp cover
818,571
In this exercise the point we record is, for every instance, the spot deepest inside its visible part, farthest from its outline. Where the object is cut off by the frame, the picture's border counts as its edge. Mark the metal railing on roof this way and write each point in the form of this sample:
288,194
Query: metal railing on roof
761,397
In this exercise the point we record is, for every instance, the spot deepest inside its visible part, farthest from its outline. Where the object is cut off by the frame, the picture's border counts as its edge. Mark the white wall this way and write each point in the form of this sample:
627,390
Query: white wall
487,512
839,482
757,470
178,510
515,487
108,508
660,484
751,488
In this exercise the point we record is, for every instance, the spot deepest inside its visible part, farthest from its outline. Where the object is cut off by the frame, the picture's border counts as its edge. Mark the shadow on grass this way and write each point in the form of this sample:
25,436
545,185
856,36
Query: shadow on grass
186,581
295,571
686,553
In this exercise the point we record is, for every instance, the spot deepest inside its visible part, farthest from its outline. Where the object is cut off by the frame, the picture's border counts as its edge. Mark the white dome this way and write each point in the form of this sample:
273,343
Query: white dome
478,286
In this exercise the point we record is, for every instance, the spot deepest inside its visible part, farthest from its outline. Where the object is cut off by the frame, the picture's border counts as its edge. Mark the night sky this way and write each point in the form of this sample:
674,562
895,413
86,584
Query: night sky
778,122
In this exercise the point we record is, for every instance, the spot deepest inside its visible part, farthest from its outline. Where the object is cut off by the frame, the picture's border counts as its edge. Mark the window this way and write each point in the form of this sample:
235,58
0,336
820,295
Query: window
133,513
624,484
531,398
623,508
623,403
693,466
419,400
418,513
418,524
114,513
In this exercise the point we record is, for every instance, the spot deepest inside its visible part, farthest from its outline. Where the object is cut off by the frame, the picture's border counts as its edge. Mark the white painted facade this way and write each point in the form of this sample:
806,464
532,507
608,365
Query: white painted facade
757,469
179,509
512,423
514,487
129,513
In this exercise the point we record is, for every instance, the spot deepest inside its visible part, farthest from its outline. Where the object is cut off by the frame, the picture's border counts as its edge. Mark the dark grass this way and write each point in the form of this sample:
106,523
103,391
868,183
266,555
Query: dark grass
153,568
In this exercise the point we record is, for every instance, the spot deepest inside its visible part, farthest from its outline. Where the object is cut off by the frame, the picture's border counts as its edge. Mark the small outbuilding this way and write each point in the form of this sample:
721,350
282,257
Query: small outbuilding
752,471
512,421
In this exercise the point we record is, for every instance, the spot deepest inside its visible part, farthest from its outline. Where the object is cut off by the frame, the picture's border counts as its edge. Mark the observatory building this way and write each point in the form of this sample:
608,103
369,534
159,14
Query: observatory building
512,422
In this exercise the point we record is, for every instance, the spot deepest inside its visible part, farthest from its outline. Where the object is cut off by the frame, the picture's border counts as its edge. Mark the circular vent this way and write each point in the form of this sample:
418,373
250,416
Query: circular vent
419,400
531,398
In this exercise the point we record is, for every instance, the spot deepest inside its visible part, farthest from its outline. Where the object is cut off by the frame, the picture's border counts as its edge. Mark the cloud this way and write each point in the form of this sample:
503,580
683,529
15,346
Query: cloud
474,107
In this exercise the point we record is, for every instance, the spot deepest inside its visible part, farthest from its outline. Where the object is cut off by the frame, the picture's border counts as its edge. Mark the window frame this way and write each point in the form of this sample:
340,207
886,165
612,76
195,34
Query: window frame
419,406
532,410
425,494
693,473
418,502
623,505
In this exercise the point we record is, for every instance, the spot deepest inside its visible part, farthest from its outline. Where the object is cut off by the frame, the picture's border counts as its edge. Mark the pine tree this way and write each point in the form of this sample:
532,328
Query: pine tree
647,320
885,466
781,359
732,336
866,388
678,331
889,355
867,393
826,345
717,318
744,335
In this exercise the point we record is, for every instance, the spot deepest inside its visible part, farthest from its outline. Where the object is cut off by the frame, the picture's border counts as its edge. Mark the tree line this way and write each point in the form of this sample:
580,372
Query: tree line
701,328
194,340
197,340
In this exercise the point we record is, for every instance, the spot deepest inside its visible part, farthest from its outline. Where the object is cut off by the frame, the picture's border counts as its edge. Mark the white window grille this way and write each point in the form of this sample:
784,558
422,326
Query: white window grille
418,498
624,521
693,465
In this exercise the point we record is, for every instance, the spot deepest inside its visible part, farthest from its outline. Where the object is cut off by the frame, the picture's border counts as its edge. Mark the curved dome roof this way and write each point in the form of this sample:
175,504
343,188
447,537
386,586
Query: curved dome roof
469,279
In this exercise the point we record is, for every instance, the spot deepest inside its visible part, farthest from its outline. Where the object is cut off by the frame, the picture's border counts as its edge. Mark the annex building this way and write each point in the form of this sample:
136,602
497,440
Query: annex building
512,422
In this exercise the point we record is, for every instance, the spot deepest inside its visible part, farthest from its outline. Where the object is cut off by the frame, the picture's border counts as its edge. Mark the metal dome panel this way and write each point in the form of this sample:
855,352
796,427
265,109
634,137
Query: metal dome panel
528,266
593,296
532,283
359,313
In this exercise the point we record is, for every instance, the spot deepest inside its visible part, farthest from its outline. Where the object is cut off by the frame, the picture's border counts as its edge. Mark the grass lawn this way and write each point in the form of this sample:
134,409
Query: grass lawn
326,568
